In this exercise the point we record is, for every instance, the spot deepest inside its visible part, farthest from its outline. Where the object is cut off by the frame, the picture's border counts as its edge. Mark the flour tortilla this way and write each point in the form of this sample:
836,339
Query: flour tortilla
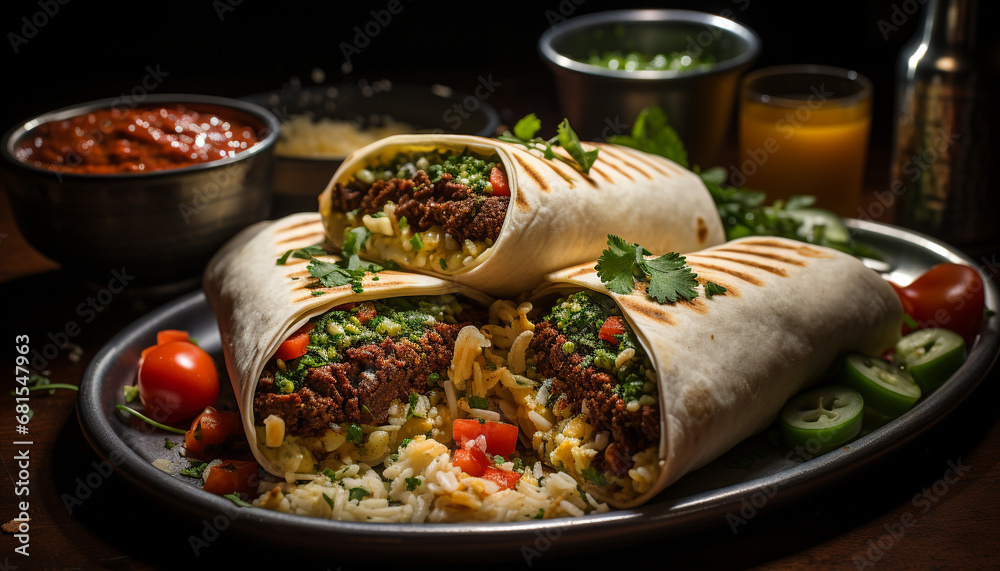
726,365
258,303
557,216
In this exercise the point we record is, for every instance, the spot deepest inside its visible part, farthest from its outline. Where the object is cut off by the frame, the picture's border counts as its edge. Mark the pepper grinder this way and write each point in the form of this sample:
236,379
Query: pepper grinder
946,127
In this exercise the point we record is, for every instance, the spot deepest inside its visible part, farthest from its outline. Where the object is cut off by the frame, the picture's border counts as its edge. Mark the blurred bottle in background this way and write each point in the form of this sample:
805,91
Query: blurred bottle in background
946,131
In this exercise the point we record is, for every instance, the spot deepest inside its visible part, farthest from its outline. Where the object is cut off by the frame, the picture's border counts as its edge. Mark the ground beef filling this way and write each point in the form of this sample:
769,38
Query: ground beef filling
631,432
463,214
361,387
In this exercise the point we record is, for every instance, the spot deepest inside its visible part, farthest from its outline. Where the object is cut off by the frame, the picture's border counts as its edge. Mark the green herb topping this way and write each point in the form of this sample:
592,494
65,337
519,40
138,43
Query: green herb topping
525,132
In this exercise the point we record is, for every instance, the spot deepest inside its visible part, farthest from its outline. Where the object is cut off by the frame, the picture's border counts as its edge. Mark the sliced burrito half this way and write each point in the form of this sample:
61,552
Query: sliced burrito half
630,406
497,217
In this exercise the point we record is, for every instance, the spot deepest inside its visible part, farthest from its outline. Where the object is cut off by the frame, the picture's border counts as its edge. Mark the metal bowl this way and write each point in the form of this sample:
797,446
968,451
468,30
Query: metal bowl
160,227
298,181
599,102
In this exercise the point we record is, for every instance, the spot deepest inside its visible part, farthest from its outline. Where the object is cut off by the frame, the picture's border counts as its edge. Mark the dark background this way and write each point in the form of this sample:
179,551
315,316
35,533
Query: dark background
95,50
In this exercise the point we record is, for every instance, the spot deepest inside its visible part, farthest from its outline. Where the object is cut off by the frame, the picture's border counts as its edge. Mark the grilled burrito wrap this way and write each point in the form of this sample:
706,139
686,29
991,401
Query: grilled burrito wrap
497,217
684,382
367,351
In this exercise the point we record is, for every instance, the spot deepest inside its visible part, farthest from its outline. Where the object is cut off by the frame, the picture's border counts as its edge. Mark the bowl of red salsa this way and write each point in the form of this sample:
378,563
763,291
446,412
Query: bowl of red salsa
154,188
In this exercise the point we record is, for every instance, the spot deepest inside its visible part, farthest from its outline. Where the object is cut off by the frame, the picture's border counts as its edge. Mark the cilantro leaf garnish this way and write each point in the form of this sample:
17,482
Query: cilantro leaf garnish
307,253
236,499
614,267
712,288
479,402
354,433
357,494
526,129
668,277
195,470
412,483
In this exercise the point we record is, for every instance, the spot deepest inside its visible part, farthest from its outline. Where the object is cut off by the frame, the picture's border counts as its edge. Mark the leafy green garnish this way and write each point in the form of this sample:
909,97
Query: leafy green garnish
195,470
357,494
236,499
131,393
414,398
148,420
169,444
354,433
527,128
329,474
712,288
652,133
479,402
412,483
329,502
307,253
593,476
669,278
540,514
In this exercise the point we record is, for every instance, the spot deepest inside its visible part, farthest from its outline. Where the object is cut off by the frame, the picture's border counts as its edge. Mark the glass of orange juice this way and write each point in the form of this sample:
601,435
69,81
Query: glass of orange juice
804,131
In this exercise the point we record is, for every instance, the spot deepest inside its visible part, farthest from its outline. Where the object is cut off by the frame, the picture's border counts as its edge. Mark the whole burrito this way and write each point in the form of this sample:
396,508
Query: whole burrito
260,304
497,217
705,373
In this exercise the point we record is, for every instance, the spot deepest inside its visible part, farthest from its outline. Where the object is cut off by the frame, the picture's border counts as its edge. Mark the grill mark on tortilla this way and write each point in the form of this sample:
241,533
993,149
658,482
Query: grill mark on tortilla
637,156
625,160
620,171
533,174
767,255
580,271
522,204
770,269
574,174
299,225
595,170
801,250
696,304
721,269
313,235
636,302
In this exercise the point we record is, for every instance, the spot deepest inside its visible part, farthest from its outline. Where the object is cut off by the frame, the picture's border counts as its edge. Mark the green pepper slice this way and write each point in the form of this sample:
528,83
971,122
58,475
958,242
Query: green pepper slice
886,388
931,355
822,419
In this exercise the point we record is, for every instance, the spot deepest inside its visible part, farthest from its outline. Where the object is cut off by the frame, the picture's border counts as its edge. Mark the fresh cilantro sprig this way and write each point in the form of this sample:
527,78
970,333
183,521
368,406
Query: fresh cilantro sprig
526,131
348,271
307,253
668,277
653,134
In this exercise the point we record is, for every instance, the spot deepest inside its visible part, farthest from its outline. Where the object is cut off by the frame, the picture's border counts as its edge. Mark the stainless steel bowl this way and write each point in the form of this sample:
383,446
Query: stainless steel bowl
160,227
600,102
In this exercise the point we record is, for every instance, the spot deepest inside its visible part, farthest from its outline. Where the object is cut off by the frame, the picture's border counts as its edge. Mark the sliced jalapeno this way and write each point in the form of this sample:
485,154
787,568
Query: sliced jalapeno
886,388
822,419
931,355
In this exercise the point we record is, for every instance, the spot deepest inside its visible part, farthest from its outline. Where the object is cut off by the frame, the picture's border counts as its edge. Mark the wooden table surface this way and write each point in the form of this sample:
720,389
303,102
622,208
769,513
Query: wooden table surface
932,503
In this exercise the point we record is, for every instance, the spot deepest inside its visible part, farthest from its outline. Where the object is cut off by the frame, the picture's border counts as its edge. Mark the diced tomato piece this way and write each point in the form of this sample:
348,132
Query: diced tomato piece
231,477
465,429
471,460
168,335
501,438
507,480
210,428
613,325
296,344
366,312
498,180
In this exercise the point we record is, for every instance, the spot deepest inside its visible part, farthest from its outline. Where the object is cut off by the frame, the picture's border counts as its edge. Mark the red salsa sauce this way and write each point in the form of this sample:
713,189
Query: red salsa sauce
140,140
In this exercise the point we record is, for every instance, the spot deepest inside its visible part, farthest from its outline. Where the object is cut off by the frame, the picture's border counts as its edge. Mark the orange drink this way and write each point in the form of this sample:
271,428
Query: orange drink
804,131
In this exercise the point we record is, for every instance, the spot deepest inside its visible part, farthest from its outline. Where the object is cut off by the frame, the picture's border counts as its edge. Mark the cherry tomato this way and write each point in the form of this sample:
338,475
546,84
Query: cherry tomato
612,326
501,438
168,335
296,344
177,380
949,296
498,180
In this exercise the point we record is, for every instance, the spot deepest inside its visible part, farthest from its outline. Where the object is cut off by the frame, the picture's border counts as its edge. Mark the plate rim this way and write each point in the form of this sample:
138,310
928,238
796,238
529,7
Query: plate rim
626,526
